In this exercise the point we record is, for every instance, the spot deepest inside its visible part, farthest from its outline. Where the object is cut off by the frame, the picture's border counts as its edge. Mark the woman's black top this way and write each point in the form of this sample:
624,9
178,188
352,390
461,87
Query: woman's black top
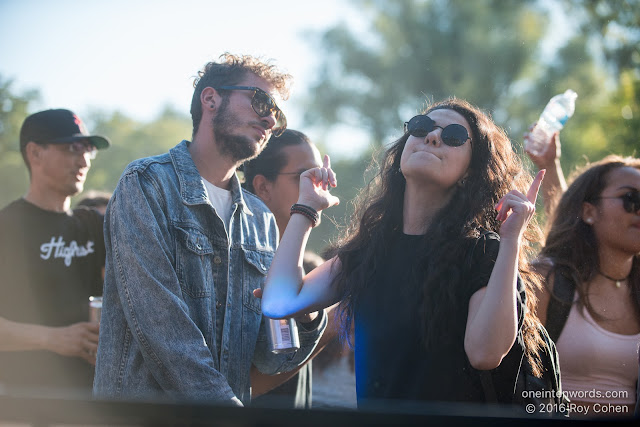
392,363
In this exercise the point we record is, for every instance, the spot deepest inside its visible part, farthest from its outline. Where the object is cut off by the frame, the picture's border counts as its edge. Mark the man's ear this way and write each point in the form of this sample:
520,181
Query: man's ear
210,99
589,213
262,187
34,152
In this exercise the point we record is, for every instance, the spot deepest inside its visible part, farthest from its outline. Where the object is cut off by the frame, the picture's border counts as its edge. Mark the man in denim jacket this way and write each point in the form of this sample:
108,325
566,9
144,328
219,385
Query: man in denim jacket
186,247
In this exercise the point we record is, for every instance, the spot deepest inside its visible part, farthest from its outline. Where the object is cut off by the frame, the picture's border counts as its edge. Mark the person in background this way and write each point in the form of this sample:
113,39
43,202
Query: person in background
51,259
187,246
591,301
592,287
429,271
94,199
97,200
274,177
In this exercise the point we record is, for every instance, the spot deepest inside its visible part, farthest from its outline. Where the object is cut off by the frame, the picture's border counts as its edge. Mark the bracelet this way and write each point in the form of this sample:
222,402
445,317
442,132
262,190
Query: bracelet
307,211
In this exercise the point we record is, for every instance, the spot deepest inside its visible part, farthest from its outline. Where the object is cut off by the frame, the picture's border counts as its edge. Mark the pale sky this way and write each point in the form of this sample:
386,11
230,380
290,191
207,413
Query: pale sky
137,56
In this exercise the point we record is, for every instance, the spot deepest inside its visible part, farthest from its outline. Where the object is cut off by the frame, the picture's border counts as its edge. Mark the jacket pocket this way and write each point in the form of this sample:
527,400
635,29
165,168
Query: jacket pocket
194,254
256,265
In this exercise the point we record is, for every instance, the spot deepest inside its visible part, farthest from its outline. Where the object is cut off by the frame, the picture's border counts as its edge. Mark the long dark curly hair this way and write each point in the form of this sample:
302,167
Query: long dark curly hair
495,169
571,244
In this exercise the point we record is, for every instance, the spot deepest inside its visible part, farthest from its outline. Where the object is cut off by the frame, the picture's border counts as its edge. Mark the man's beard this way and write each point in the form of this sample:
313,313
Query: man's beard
239,148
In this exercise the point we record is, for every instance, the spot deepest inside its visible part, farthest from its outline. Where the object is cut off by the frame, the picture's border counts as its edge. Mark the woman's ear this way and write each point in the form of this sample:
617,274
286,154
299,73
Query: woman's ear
262,187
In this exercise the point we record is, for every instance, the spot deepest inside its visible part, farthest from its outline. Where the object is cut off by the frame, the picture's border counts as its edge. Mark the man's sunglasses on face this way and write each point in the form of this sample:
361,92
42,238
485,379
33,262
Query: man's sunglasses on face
263,104
630,200
454,135
80,147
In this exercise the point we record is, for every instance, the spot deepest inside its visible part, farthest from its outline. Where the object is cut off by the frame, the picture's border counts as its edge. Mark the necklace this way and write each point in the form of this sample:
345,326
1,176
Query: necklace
617,281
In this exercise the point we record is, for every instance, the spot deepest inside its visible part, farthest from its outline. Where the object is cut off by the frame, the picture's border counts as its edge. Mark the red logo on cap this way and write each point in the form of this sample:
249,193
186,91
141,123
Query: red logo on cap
77,120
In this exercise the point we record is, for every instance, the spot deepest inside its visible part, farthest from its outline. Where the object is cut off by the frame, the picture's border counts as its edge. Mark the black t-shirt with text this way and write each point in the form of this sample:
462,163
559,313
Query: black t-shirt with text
50,263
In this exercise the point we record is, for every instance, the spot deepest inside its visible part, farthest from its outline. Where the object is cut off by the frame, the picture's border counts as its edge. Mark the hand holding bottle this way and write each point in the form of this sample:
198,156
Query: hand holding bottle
551,121
550,154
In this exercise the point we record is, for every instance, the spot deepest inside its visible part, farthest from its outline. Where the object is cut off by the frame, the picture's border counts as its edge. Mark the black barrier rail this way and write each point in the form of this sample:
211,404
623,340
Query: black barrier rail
41,411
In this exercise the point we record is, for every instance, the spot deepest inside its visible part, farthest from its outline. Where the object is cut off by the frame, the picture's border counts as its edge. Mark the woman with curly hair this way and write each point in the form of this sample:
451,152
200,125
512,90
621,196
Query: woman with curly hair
591,301
434,280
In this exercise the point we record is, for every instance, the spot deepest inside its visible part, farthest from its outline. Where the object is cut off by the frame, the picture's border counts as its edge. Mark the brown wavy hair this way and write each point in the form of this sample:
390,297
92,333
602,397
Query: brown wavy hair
495,169
230,71
571,244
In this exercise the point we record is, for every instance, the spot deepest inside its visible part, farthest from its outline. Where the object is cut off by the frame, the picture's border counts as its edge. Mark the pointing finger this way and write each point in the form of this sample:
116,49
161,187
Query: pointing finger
332,178
532,194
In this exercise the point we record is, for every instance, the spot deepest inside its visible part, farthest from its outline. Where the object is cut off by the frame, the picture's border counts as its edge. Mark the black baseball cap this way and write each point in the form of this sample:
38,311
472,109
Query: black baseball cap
57,127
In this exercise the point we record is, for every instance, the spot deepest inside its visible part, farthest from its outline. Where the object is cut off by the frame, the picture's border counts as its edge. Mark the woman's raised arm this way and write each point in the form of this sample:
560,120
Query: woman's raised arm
287,293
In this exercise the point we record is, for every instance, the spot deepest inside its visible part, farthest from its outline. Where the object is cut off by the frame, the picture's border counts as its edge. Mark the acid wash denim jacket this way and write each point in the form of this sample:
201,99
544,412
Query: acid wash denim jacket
179,319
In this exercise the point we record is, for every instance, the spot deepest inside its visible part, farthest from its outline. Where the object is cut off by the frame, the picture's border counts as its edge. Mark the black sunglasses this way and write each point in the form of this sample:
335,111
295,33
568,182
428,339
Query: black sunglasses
454,135
630,200
263,104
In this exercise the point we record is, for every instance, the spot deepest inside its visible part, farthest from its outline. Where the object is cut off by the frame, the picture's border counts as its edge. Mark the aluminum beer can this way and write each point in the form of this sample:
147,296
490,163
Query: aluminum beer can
95,308
283,335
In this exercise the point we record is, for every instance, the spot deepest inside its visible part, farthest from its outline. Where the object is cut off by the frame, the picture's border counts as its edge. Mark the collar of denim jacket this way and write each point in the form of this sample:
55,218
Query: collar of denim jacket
192,188
238,197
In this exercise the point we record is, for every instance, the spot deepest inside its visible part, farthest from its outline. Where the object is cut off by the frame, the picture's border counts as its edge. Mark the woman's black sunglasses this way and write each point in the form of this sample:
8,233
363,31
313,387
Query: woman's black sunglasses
630,201
454,135
263,104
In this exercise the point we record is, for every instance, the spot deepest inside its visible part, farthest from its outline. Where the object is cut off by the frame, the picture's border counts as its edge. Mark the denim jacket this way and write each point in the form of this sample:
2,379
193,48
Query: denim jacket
179,319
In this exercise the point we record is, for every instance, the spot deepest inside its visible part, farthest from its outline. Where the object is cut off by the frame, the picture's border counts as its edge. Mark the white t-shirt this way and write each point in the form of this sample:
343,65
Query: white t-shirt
221,201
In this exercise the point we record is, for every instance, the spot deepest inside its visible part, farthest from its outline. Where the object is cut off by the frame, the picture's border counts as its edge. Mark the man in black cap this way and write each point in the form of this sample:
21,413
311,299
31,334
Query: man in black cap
51,261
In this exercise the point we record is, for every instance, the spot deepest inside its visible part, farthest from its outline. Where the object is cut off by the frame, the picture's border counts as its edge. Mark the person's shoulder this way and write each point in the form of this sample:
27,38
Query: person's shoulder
14,208
163,164
141,165
253,202
486,238
488,235
483,244
16,204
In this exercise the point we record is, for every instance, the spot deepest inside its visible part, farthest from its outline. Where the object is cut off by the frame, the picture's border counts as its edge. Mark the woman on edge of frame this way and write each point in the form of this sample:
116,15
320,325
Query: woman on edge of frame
433,271
592,254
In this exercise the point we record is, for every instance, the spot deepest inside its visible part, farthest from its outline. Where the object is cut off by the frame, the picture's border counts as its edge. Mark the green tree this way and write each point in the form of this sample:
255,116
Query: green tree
613,26
421,49
496,54
607,117
14,108
132,140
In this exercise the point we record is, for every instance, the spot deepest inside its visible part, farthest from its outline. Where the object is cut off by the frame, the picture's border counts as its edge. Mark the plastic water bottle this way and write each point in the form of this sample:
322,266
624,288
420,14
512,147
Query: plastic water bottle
552,119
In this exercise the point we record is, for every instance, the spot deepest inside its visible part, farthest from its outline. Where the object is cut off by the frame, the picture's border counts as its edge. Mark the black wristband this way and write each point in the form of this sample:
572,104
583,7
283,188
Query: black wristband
307,211
305,207
309,216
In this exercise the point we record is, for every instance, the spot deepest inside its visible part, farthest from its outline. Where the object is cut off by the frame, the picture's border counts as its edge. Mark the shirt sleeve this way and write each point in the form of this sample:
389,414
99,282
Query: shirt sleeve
484,258
485,253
